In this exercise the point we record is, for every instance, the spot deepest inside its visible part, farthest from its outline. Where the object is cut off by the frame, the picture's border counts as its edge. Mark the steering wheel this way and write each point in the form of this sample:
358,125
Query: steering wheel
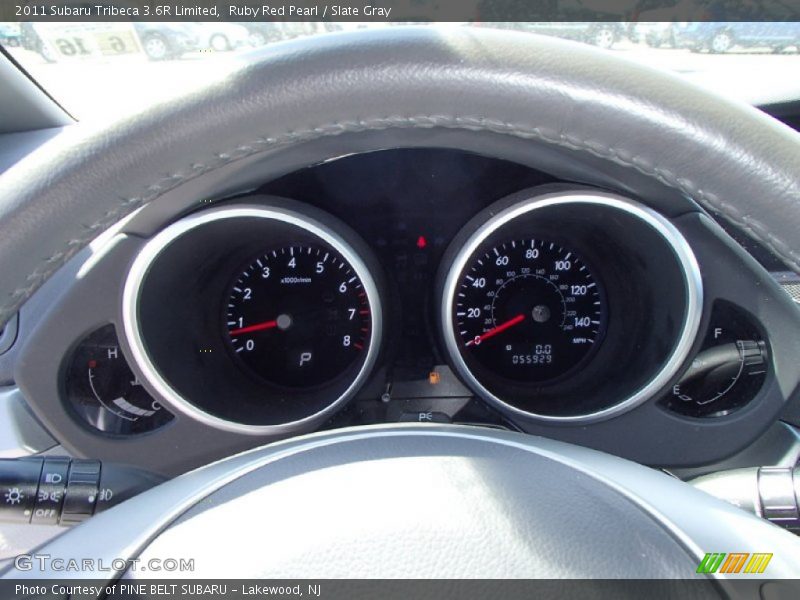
413,501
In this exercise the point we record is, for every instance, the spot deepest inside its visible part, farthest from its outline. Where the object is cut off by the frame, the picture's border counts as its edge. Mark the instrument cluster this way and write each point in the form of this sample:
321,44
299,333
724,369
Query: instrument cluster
265,315
497,297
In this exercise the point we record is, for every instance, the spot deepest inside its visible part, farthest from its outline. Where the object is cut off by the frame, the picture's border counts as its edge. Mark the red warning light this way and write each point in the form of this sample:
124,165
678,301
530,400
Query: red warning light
421,242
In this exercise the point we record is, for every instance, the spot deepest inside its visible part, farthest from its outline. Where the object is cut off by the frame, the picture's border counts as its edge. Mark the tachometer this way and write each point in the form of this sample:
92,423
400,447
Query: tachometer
259,318
298,315
528,310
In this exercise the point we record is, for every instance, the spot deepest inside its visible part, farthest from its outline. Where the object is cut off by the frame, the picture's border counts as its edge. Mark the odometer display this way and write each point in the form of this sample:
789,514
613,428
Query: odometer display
298,316
527,311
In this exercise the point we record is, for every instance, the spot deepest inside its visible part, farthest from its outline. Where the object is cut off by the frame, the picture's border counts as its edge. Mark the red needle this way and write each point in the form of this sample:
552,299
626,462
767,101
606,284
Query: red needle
499,329
256,327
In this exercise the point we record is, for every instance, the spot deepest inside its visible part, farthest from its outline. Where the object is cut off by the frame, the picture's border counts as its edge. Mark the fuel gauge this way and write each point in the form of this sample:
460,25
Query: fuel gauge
105,393
728,371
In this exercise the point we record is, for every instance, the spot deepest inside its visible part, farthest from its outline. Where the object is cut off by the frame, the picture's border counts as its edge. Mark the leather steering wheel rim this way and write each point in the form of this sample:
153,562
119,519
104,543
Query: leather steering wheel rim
728,157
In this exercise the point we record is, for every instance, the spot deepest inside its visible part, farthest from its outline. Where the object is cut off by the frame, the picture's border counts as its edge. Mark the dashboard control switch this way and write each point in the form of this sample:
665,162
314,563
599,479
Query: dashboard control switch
52,488
772,493
778,501
59,490
82,489
18,482
120,483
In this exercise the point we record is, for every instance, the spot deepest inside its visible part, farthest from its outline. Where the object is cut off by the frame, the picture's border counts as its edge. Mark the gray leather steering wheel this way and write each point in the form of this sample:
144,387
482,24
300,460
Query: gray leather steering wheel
406,501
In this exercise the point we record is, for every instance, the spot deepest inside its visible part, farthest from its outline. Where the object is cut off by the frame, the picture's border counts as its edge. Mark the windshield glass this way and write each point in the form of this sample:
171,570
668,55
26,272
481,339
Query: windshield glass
105,70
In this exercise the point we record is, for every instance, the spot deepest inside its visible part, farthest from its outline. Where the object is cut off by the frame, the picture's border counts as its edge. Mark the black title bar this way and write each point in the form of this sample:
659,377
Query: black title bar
401,10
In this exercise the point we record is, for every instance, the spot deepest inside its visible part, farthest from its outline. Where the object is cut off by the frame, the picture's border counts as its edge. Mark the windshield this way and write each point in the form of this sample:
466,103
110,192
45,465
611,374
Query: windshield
106,70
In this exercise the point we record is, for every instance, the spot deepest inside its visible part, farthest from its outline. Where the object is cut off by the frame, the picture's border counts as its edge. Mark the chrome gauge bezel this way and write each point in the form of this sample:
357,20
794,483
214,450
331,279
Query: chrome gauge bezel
692,279
156,249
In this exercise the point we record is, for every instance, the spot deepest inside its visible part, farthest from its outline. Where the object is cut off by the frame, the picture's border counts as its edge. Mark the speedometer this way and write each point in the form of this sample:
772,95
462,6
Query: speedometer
569,305
528,310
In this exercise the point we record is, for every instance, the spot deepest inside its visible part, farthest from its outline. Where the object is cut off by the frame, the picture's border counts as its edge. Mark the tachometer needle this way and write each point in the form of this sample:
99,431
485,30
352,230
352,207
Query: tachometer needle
256,327
493,332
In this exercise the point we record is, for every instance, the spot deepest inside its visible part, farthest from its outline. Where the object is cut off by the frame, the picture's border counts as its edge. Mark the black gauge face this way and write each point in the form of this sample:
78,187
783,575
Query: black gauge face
105,392
527,311
727,372
298,316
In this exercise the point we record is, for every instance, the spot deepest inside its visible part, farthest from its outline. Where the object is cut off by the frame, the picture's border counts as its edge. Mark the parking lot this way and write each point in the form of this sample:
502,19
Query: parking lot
129,83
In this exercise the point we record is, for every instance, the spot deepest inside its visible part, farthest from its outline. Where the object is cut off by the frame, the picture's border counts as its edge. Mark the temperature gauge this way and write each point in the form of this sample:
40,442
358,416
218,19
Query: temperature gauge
727,372
103,390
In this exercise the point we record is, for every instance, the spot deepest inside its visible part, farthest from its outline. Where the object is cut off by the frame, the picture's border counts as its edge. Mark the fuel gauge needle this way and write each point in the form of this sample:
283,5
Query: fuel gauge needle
494,331
256,327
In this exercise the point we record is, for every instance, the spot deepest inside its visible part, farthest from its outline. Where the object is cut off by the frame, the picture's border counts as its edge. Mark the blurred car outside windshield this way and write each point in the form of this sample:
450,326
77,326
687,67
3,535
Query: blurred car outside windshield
102,71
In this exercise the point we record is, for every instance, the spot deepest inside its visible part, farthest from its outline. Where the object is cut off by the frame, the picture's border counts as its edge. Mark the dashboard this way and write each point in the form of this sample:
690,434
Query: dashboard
419,285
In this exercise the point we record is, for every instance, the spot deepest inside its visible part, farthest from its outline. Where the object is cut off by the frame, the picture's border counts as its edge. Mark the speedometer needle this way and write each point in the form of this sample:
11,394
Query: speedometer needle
256,327
493,332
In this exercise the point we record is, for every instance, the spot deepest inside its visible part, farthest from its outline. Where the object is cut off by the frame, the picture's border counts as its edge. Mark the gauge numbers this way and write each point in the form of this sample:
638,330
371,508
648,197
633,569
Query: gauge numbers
298,316
528,310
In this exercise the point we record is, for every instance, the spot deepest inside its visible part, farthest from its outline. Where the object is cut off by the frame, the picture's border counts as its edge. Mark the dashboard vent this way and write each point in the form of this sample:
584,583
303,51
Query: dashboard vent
790,282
